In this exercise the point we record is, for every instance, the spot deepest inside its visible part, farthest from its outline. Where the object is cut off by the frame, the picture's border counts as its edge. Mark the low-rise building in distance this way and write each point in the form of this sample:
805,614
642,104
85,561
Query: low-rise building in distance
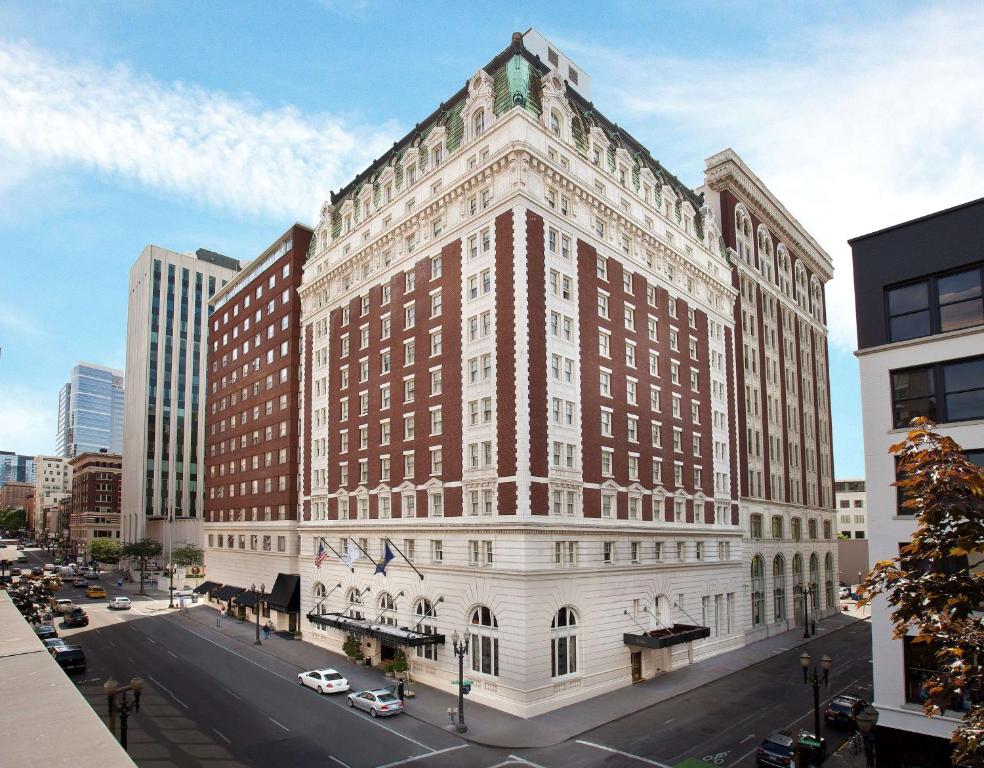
96,495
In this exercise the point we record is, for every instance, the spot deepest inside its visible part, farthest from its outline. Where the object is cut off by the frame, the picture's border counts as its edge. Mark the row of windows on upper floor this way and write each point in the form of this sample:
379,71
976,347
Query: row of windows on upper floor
764,260
778,527
256,294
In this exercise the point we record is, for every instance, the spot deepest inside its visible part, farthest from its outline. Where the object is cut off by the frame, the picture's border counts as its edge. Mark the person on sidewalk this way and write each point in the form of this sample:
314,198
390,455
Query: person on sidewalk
266,631
222,612
399,690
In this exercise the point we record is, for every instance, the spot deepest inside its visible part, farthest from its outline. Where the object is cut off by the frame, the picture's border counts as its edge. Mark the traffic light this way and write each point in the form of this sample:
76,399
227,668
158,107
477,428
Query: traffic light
465,689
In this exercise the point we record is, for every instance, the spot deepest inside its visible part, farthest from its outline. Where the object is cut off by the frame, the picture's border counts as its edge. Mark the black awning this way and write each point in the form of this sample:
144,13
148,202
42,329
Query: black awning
286,593
386,632
227,592
247,599
667,637
206,587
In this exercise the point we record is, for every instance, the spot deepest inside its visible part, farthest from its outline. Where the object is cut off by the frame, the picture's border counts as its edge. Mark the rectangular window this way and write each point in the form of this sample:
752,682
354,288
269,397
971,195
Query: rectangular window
945,392
936,305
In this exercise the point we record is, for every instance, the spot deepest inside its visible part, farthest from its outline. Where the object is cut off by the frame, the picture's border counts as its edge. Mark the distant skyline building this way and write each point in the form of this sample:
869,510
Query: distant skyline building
90,411
852,508
16,468
164,402
53,484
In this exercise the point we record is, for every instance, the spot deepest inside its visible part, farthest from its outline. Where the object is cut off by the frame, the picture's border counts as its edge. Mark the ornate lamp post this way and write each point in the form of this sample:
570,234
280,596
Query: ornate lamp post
806,590
819,675
867,719
256,607
112,690
460,647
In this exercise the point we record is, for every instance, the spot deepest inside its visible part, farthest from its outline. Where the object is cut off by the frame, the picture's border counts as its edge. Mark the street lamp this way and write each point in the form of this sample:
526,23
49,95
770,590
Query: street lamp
819,675
459,646
256,607
112,690
805,590
867,719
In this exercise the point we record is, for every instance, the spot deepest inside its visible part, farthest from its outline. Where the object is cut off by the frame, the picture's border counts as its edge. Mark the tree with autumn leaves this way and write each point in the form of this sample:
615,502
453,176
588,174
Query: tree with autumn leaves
935,587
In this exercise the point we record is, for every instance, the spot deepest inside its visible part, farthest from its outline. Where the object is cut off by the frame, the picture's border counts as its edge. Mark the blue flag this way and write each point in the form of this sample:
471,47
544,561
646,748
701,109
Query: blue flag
387,556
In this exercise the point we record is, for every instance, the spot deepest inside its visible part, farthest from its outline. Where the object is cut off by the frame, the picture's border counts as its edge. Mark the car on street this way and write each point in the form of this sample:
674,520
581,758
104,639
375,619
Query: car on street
324,681
52,643
76,618
45,631
62,605
79,581
843,710
91,574
776,750
120,603
378,703
71,658
49,568
15,571
845,593
95,590
37,571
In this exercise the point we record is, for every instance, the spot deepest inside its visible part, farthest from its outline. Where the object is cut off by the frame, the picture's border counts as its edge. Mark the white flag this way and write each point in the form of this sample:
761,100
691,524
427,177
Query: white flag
353,554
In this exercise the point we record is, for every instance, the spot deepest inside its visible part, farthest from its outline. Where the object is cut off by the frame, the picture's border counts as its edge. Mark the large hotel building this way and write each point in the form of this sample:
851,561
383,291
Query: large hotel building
583,406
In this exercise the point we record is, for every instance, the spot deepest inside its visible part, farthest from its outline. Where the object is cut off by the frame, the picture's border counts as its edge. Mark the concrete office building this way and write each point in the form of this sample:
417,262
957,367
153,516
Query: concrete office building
519,372
252,437
53,483
919,294
90,411
164,403
852,508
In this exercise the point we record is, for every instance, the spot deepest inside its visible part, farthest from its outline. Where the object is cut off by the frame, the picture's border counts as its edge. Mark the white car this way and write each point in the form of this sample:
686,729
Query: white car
119,603
324,681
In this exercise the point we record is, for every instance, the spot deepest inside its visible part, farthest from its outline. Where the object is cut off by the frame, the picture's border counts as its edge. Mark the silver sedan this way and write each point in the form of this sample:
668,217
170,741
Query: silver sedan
377,703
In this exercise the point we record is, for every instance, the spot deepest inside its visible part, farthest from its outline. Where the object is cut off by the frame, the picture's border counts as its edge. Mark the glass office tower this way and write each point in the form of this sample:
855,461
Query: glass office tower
90,411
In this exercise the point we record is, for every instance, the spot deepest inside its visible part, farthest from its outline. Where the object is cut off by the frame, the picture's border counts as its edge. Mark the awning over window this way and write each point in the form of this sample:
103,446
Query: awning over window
247,598
227,592
667,636
286,593
386,632
206,586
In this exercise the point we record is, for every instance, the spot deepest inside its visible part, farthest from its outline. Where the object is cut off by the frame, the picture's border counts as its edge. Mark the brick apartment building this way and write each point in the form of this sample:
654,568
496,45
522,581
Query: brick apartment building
94,512
252,438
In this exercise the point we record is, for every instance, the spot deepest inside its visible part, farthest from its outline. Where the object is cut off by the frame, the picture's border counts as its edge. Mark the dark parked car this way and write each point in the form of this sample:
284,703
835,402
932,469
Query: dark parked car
776,750
71,658
45,631
15,571
54,642
77,618
79,581
843,710
37,571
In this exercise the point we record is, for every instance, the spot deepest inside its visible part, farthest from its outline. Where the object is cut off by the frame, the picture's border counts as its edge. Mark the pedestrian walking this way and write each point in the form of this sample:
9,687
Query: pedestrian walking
399,690
266,631
222,611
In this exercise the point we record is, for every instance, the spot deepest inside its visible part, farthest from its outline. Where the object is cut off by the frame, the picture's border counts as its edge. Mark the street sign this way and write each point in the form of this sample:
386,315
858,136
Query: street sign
467,682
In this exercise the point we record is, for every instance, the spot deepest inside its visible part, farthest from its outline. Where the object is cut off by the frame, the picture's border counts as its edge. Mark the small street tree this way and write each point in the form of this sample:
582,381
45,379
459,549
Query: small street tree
106,551
142,551
189,556
935,587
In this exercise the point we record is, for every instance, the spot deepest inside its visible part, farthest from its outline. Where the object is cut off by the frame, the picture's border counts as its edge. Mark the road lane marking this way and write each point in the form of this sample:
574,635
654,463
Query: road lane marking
173,654
281,725
667,722
221,736
624,754
167,691
293,681
747,754
152,639
749,736
231,693
130,659
421,757
344,765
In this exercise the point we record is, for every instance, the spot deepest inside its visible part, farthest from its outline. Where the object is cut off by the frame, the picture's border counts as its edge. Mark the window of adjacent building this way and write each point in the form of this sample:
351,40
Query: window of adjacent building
936,304
944,392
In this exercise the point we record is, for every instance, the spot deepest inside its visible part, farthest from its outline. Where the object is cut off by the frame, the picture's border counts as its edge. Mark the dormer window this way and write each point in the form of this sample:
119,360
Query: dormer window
478,122
348,223
387,192
552,57
411,175
437,155
572,74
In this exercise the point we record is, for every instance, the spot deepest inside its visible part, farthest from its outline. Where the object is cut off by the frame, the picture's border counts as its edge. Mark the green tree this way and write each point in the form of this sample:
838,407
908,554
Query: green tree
13,519
935,587
142,551
187,556
106,550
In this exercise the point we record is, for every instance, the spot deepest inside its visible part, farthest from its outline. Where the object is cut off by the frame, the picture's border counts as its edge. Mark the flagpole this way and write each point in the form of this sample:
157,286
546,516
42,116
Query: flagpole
363,552
400,552
325,542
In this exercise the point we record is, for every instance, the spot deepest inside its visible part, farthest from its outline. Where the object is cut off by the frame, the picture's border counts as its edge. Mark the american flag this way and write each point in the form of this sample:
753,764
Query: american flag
321,556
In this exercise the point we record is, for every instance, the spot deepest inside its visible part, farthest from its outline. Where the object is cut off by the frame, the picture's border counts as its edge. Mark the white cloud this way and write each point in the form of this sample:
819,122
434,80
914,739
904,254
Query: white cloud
27,420
18,323
856,129
207,146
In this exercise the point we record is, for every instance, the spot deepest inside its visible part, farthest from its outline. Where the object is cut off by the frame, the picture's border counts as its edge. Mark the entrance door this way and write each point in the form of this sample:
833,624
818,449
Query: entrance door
386,652
292,622
636,666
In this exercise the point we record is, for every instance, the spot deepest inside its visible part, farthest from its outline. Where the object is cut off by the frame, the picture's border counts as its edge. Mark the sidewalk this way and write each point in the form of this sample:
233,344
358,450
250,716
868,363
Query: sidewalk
491,727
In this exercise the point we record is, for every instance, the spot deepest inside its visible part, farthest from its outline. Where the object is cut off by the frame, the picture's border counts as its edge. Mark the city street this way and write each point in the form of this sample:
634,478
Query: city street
212,699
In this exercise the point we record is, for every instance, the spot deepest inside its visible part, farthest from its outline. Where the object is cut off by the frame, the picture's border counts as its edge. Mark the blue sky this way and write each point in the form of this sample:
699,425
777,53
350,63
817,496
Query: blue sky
218,124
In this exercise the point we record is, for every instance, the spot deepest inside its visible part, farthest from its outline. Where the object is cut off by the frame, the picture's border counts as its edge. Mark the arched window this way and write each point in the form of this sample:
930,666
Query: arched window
758,591
319,590
785,279
387,609
743,234
779,587
816,299
796,528
423,616
801,297
556,122
354,604
812,528
815,581
777,527
766,255
484,641
828,576
478,123
563,643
